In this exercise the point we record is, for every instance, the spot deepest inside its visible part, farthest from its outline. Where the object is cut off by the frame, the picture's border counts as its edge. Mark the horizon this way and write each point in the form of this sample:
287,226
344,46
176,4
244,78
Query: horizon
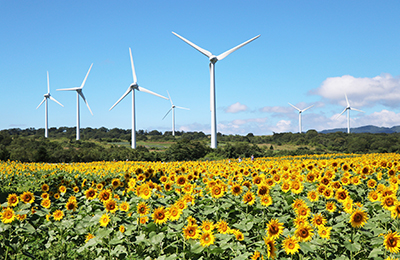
308,53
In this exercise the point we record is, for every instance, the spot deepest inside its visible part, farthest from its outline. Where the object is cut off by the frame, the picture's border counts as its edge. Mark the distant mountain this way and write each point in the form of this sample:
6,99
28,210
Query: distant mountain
366,129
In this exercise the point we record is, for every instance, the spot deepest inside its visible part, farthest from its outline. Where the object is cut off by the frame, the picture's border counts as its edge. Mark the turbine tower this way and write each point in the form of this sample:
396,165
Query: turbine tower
134,86
45,99
173,113
79,93
300,112
348,108
213,59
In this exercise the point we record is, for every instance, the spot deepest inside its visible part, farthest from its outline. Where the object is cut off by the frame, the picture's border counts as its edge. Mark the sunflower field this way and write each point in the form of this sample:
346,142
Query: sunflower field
336,206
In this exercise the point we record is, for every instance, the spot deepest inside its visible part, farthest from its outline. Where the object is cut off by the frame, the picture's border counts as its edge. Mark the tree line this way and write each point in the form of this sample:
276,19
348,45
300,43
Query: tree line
101,144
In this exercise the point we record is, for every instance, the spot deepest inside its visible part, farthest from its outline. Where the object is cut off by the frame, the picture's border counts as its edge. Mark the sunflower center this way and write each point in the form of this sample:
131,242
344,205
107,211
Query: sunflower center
392,242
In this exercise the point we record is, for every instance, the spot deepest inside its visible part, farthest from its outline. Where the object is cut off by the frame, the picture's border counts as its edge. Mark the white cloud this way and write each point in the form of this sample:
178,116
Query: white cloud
235,108
282,126
383,89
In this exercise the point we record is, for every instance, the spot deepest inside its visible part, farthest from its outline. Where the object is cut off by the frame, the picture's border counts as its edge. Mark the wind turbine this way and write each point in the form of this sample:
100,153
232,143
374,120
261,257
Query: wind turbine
213,59
134,86
79,93
348,108
173,113
45,99
300,112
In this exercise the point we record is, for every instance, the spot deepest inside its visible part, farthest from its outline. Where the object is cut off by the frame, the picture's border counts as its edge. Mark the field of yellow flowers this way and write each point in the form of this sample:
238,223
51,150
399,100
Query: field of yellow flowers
337,206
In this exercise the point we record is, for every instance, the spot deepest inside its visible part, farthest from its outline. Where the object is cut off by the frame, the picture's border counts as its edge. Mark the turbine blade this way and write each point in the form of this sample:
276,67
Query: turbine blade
170,99
133,68
151,92
56,101
41,103
294,107
341,113
307,108
124,95
352,108
223,55
347,100
84,99
205,52
167,113
68,89
182,108
87,74
48,83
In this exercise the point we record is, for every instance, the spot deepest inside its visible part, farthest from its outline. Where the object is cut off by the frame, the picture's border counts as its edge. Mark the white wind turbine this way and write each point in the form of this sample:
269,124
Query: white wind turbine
134,86
348,108
300,112
173,113
213,59
79,93
45,99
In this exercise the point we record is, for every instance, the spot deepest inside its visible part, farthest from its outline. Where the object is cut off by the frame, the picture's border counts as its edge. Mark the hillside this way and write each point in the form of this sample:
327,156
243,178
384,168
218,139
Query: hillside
365,129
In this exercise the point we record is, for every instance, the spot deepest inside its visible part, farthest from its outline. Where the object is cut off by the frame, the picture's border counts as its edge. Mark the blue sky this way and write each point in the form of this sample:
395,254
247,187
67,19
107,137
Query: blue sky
309,53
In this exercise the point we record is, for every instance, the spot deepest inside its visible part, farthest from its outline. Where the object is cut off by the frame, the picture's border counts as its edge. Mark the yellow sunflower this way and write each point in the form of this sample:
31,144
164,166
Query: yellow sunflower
312,196
58,215
238,234
88,237
249,198
223,227
46,203
159,215
122,228
142,209
373,196
304,233
207,225
124,206
392,242
266,200
358,218
62,189
28,197
105,195
7,215
173,213
12,200
271,249
274,228
318,220
291,245
104,220
388,201
191,232
324,232
90,194
330,206
45,187
395,210
207,239
217,191
111,206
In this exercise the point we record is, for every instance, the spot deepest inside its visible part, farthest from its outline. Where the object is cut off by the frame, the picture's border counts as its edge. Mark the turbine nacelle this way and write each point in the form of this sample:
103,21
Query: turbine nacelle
213,59
134,86
47,95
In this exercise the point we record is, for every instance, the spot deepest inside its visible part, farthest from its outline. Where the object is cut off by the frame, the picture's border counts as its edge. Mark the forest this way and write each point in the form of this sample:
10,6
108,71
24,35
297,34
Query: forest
102,144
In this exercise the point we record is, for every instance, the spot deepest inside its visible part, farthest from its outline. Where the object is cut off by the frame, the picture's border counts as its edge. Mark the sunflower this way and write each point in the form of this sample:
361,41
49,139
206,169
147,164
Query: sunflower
191,220
371,183
144,191
62,189
271,249
238,234
341,195
88,237
58,215
318,220
296,187
324,232
28,197
12,200
304,233
45,187
45,195
291,245
262,190
297,203
90,194
46,203
124,206
181,204
71,205
181,180
249,198
159,215
191,232
388,201
373,196
395,210
266,200
348,206
122,228
217,191
104,220
173,213
143,220
115,183
392,242
207,239
274,228
111,206
300,221
328,193
105,195
142,209
312,196
236,189
358,218
223,227
207,225
7,215
303,211
21,217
